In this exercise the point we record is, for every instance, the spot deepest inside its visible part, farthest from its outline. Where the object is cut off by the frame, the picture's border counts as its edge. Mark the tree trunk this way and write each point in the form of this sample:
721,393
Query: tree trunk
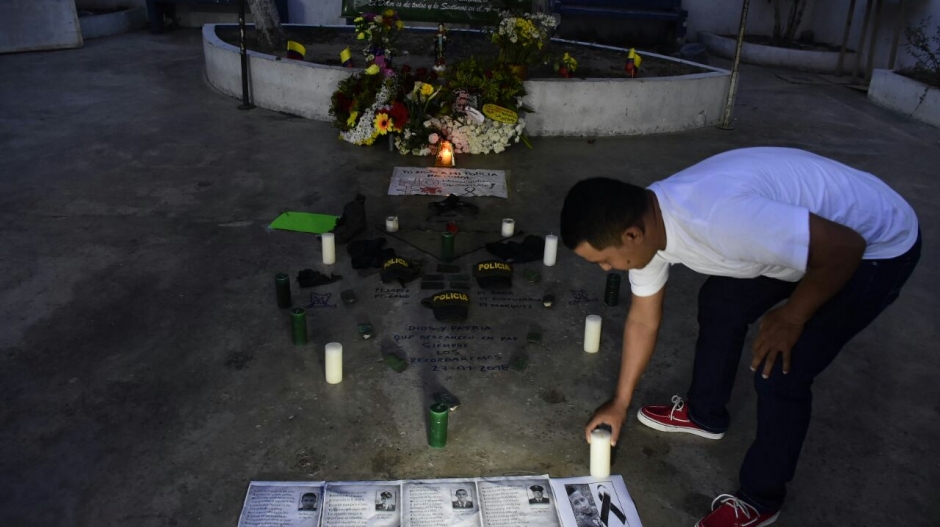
793,23
267,24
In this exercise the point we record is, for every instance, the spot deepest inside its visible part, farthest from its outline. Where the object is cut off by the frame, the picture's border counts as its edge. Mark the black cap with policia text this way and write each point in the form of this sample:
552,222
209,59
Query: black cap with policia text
449,305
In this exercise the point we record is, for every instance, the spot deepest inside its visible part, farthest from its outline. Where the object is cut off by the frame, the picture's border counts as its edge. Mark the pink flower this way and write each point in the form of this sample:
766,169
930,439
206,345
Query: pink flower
433,138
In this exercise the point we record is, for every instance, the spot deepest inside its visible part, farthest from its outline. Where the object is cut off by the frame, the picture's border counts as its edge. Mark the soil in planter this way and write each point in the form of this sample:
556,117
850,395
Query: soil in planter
924,76
417,50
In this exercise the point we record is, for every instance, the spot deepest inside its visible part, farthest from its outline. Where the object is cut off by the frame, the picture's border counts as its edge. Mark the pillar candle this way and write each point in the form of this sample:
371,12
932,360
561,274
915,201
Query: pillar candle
391,224
592,333
282,287
600,453
329,248
334,363
551,250
509,226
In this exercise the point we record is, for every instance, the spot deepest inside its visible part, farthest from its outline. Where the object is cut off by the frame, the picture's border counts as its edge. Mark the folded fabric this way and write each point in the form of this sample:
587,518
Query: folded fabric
530,249
369,253
493,274
452,206
311,278
353,220
449,305
397,269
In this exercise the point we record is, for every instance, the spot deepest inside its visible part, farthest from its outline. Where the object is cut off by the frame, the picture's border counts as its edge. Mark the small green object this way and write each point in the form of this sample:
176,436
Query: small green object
612,290
395,362
304,222
298,325
437,425
532,275
519,361
282,286
447,246
366,331
534,337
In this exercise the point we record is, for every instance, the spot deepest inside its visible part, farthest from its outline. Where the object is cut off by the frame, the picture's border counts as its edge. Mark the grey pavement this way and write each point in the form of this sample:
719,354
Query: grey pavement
146,374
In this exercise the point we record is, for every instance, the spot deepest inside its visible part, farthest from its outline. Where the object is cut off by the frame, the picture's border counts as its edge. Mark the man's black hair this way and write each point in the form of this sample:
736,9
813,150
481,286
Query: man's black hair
598,211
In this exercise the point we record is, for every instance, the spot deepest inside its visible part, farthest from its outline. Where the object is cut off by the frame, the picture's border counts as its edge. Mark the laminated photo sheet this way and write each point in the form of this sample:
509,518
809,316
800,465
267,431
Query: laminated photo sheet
511,502
441,503
590,502
282,503
362,504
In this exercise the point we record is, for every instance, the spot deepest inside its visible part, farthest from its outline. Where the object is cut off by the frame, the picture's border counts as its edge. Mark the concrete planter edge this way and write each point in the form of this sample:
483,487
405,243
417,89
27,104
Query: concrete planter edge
563,107
815,61
905,95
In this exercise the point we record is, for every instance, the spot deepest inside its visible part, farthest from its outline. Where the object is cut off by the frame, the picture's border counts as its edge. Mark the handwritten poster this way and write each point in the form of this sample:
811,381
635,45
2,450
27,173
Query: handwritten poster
442,181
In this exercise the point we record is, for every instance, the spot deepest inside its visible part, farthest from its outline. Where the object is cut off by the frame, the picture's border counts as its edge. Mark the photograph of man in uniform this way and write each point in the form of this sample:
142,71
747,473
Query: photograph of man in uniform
537,498
387,502
462,501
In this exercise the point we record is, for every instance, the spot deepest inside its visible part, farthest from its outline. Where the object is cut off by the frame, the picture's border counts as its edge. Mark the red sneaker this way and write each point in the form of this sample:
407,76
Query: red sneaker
735,512
673,419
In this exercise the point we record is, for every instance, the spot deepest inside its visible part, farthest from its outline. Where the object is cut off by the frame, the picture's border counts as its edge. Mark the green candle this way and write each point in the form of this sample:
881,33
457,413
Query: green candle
282,286
298,325
447,246
437,429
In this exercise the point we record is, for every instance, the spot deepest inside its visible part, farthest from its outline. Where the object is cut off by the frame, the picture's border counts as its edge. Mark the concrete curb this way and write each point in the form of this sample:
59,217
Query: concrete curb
816,61
108,24
563,107
908,96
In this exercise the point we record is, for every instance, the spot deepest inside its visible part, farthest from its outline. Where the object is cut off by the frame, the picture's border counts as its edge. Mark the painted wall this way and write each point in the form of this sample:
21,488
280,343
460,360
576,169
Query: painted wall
826,18
109,4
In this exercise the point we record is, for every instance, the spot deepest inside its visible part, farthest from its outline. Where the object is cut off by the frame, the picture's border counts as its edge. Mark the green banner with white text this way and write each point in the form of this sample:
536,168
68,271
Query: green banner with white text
474,12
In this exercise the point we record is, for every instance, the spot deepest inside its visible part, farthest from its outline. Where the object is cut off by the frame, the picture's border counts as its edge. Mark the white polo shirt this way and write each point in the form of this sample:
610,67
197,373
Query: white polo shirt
745,213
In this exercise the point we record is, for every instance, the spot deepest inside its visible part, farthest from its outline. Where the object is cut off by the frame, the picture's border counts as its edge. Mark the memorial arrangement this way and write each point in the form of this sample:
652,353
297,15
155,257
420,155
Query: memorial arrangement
535,501
474,105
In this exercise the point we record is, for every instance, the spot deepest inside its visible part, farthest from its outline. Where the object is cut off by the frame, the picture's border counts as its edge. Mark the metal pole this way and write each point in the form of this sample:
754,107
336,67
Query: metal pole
246,102
845,38
733,84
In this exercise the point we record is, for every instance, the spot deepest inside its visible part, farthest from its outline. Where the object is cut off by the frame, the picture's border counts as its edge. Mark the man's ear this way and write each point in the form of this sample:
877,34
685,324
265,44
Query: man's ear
632,236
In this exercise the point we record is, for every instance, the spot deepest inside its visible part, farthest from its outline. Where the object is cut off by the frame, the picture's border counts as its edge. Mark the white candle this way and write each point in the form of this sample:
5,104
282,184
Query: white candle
551,250
509,226
334,363
592,333
329,248
600,453
391,224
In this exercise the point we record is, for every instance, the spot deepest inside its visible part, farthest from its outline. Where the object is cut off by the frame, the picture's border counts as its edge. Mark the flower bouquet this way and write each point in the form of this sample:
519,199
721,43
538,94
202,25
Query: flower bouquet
380,30
522,38
356,105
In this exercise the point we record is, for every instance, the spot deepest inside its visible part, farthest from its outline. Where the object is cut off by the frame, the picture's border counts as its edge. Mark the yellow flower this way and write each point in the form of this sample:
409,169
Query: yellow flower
399,25
360,36
352,118
427,89
382,123
389,12
357,19
372,70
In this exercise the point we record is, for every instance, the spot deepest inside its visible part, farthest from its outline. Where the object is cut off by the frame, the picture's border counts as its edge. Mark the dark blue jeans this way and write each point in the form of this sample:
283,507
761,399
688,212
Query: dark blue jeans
727,306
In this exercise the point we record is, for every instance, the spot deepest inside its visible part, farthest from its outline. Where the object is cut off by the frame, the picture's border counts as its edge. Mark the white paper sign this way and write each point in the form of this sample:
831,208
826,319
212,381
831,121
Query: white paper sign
442,181
595,502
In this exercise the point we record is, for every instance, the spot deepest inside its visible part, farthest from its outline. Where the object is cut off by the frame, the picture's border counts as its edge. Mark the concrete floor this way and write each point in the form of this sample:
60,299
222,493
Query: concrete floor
147,375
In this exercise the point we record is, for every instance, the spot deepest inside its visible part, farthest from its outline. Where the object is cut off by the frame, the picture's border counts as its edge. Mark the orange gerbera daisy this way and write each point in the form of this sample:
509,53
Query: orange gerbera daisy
382,123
